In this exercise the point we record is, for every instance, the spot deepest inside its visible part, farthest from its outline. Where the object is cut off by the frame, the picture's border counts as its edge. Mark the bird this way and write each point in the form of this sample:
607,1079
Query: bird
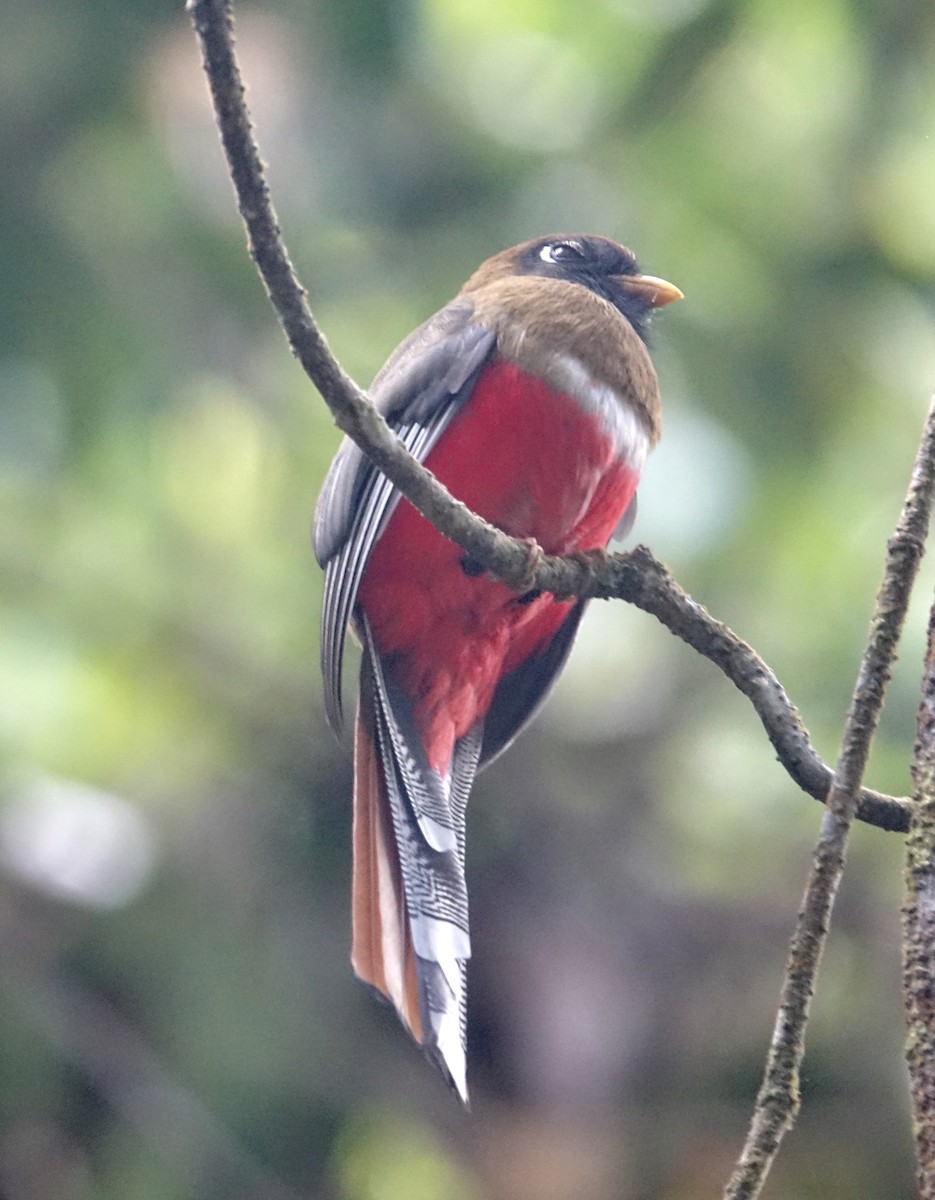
532,397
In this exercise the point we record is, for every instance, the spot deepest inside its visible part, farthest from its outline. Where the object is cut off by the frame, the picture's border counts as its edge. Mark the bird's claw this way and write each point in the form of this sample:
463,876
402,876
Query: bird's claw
534,557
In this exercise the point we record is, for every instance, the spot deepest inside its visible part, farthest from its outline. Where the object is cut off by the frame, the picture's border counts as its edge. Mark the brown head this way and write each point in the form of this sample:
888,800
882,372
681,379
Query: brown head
578,296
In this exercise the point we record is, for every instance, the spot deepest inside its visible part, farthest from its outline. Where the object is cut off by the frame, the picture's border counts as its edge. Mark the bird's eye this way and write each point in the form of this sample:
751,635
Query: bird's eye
562,252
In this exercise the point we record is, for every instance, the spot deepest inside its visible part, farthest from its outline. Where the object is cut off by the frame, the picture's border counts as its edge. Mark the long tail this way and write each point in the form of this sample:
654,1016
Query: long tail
410,905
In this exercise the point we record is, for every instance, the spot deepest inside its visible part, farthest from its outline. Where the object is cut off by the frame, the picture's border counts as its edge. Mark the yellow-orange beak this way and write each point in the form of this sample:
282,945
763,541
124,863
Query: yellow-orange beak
656,292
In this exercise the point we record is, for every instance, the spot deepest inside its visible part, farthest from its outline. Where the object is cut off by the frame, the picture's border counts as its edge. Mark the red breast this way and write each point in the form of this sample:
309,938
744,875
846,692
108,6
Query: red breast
534,461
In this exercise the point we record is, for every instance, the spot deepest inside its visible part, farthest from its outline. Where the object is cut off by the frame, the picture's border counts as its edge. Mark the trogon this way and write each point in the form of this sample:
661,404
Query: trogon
532,397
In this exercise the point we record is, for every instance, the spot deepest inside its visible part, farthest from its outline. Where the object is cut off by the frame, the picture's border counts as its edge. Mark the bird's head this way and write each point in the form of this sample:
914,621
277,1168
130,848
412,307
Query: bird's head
596,263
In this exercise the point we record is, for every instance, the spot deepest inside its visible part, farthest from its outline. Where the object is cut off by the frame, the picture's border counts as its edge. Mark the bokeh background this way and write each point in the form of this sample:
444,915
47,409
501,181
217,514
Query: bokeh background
178,1017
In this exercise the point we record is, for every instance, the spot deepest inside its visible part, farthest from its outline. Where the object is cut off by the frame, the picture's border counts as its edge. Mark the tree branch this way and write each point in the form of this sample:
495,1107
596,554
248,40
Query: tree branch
919,931
636,577
642,580
778,1099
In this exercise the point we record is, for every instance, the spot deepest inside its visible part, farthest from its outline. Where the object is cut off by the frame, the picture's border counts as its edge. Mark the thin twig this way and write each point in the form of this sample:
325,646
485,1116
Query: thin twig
778,1099
636,577
919,931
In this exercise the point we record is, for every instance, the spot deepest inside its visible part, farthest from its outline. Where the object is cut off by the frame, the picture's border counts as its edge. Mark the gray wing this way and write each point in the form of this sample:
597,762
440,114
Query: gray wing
522,692
419,391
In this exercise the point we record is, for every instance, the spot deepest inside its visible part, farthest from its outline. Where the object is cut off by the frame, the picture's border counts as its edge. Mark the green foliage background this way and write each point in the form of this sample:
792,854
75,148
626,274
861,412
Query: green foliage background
177,1013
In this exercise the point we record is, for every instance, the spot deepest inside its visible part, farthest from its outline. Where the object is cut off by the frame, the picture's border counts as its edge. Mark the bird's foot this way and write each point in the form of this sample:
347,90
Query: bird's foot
534,557
591,562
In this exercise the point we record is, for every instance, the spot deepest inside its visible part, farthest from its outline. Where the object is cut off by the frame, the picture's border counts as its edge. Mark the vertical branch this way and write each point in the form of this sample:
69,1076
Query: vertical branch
778,1101
919,931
